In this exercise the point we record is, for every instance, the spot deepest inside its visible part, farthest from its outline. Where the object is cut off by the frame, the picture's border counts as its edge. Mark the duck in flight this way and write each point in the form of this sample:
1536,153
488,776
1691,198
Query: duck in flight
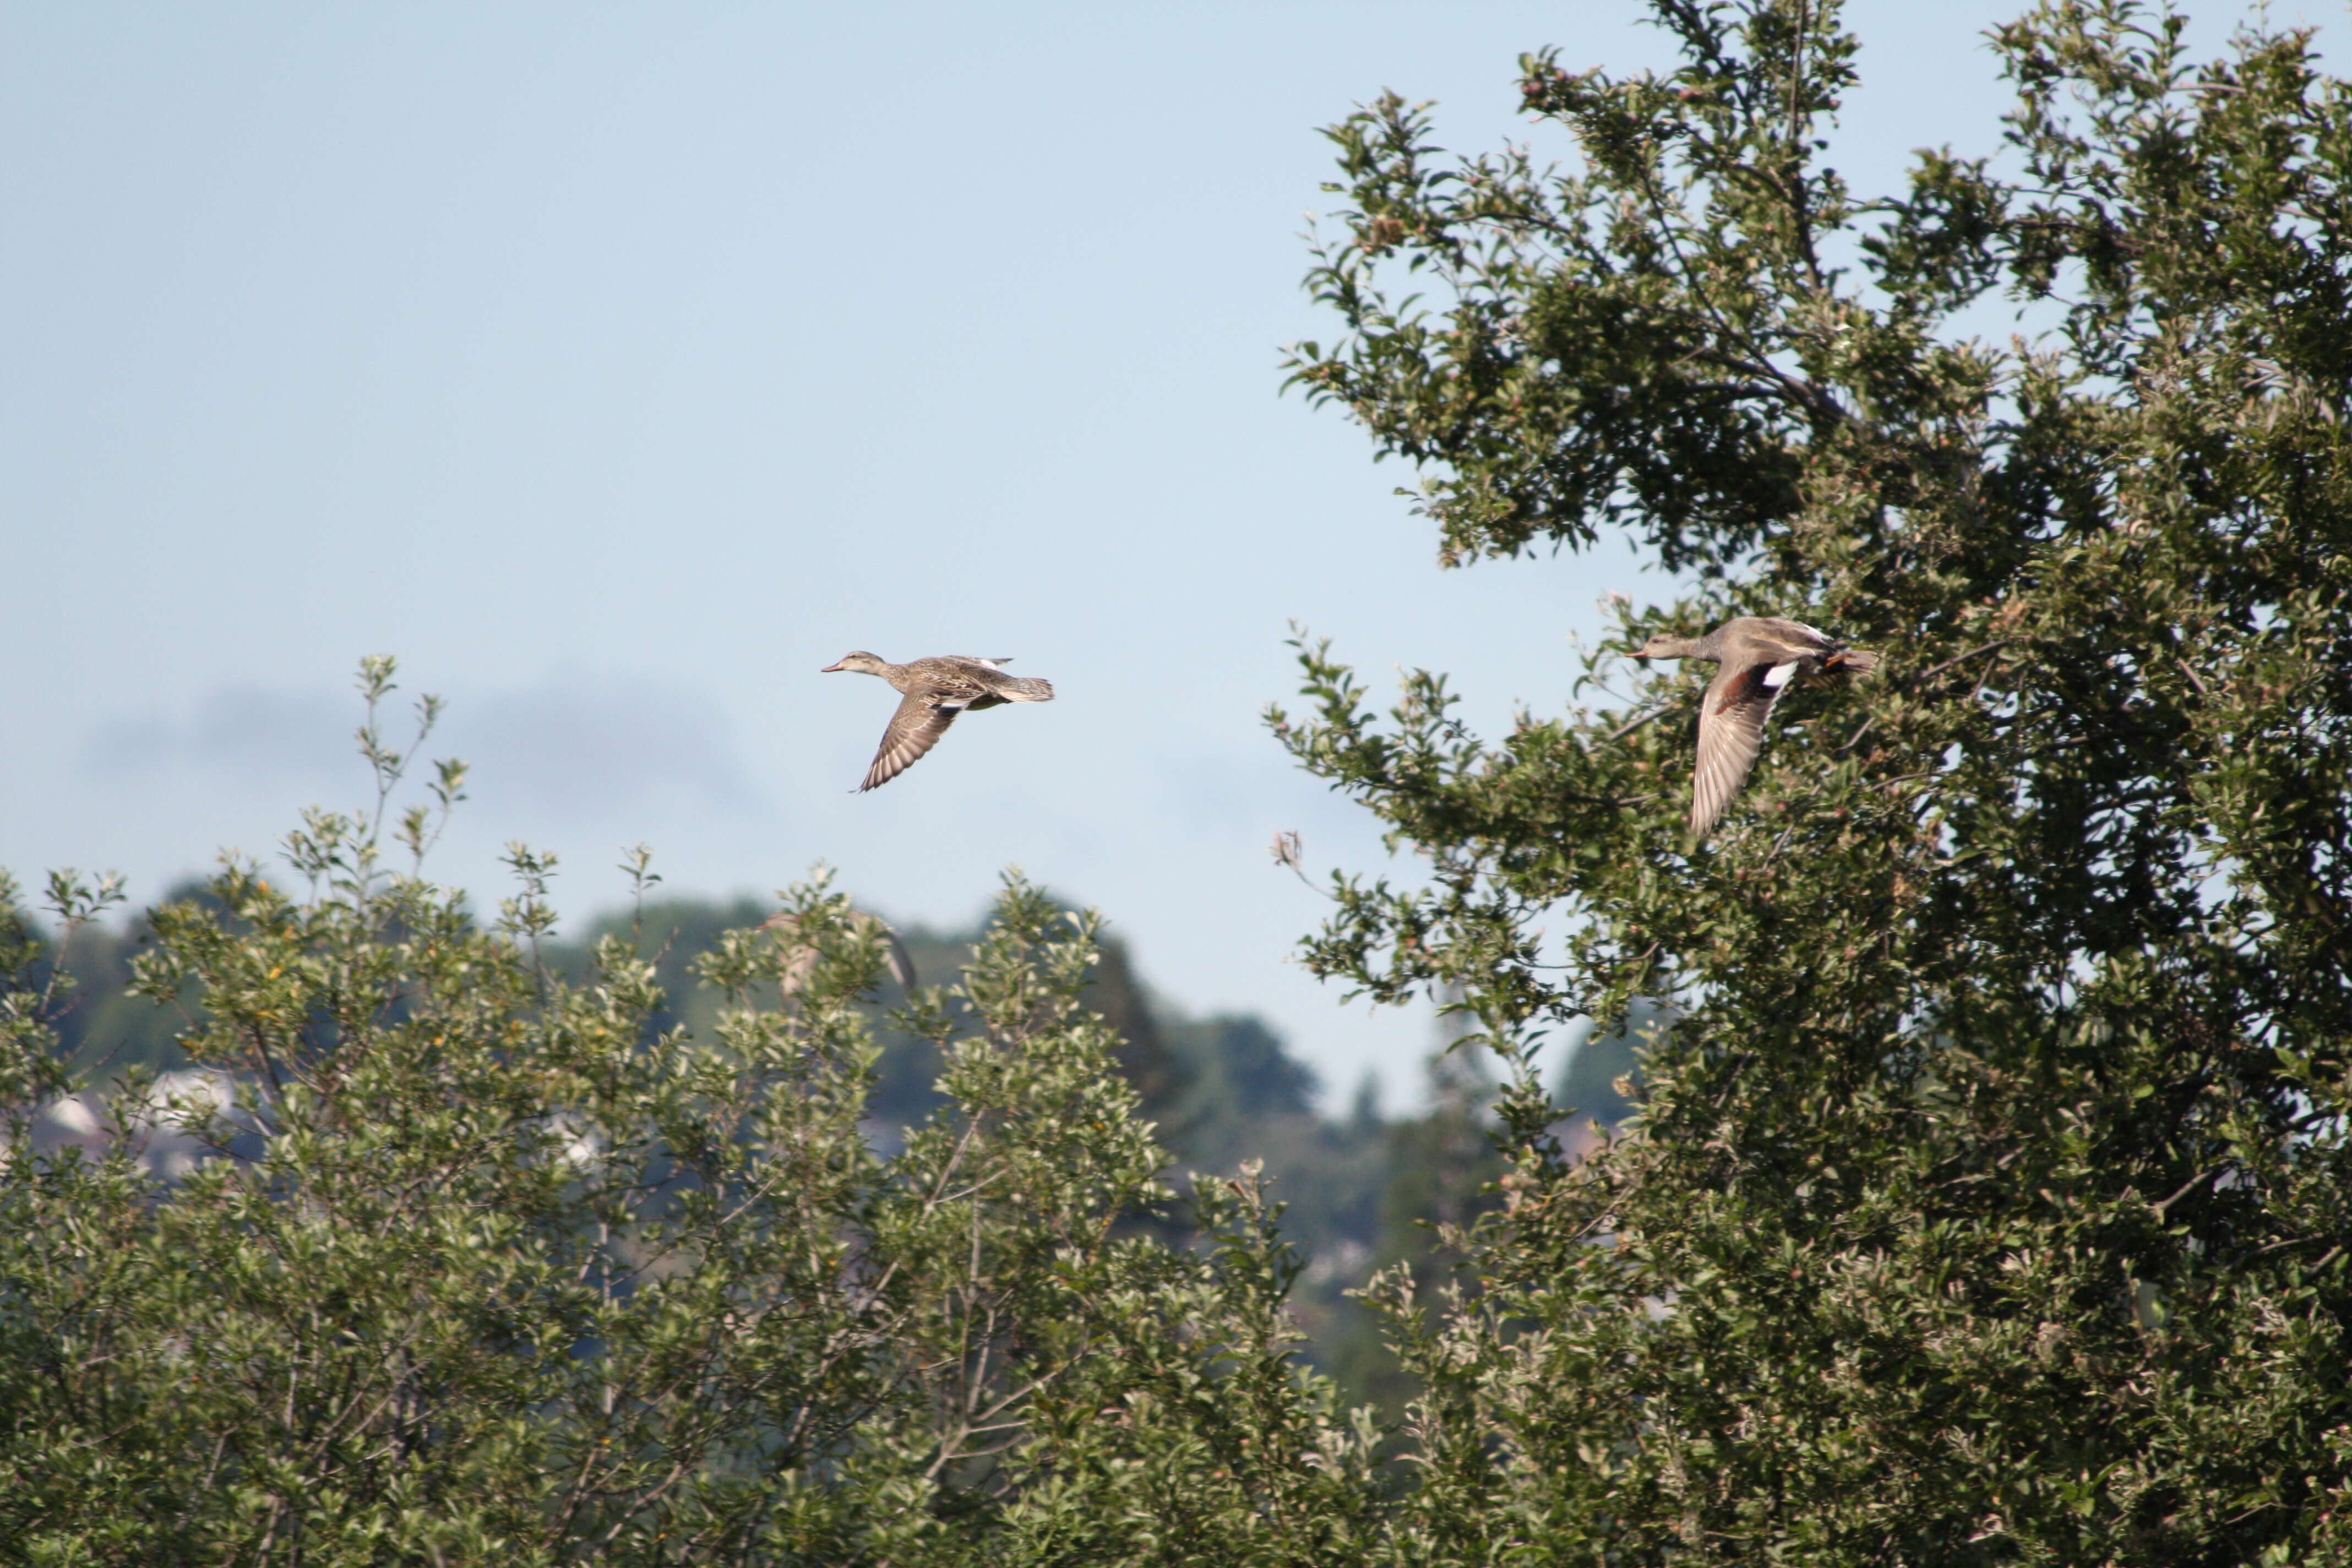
1760,654
933,691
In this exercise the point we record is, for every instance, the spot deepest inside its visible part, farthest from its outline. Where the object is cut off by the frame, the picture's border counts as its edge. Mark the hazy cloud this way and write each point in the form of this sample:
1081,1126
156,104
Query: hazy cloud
249,733
577,748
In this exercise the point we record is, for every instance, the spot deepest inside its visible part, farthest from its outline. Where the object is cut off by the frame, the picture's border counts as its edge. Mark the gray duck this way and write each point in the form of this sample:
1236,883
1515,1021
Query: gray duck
1760,655
933,692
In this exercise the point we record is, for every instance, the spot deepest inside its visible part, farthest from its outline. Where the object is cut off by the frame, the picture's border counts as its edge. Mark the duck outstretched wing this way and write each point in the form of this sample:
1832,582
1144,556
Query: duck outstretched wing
921,719
1731,733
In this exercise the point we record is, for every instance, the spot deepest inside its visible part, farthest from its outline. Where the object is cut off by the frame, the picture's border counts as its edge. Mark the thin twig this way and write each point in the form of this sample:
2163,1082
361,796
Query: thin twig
1627,728
1803,392
2187,1187
1926,675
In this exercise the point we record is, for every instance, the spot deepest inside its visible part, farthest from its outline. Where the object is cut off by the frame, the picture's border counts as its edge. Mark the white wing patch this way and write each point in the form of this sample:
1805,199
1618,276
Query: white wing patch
1778,676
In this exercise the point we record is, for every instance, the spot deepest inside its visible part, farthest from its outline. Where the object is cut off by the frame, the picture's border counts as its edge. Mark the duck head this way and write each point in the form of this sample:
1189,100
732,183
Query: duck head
861,661
1664,646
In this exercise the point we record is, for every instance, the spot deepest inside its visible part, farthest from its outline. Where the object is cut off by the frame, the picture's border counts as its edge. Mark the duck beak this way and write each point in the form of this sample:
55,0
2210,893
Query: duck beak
828,669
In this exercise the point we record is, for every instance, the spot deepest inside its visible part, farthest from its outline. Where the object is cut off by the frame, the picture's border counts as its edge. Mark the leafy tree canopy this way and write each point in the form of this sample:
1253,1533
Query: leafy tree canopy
1988,1195
484,1270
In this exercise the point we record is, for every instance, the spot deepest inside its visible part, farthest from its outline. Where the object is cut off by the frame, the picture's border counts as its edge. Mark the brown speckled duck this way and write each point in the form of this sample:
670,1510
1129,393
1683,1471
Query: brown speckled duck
934,691
1760,654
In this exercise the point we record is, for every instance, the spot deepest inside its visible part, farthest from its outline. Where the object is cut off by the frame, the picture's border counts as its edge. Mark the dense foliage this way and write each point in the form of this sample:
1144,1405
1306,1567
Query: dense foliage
482,1268
1988,1196
1218,1092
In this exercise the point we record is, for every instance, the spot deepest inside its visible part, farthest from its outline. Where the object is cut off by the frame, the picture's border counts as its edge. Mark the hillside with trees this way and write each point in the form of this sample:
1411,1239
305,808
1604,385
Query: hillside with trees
1357,1189
1984,1194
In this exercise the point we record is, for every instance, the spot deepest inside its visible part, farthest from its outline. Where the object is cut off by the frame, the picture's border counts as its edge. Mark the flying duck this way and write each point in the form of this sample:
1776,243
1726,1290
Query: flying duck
1760,654
934,691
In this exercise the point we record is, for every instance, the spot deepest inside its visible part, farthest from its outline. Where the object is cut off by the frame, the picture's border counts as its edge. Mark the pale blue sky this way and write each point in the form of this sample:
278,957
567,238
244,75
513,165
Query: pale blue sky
617,366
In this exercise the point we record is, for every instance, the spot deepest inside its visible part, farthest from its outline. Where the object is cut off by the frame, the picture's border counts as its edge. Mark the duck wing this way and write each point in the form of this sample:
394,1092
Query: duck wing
921,719
1731,733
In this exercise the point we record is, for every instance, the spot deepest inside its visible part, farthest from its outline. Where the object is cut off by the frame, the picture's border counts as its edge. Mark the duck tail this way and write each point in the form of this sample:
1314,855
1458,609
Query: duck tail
1026,690
1850,661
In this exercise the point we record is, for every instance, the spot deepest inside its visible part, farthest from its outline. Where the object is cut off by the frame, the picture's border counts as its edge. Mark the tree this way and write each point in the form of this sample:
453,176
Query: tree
485,1269
1988,1199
